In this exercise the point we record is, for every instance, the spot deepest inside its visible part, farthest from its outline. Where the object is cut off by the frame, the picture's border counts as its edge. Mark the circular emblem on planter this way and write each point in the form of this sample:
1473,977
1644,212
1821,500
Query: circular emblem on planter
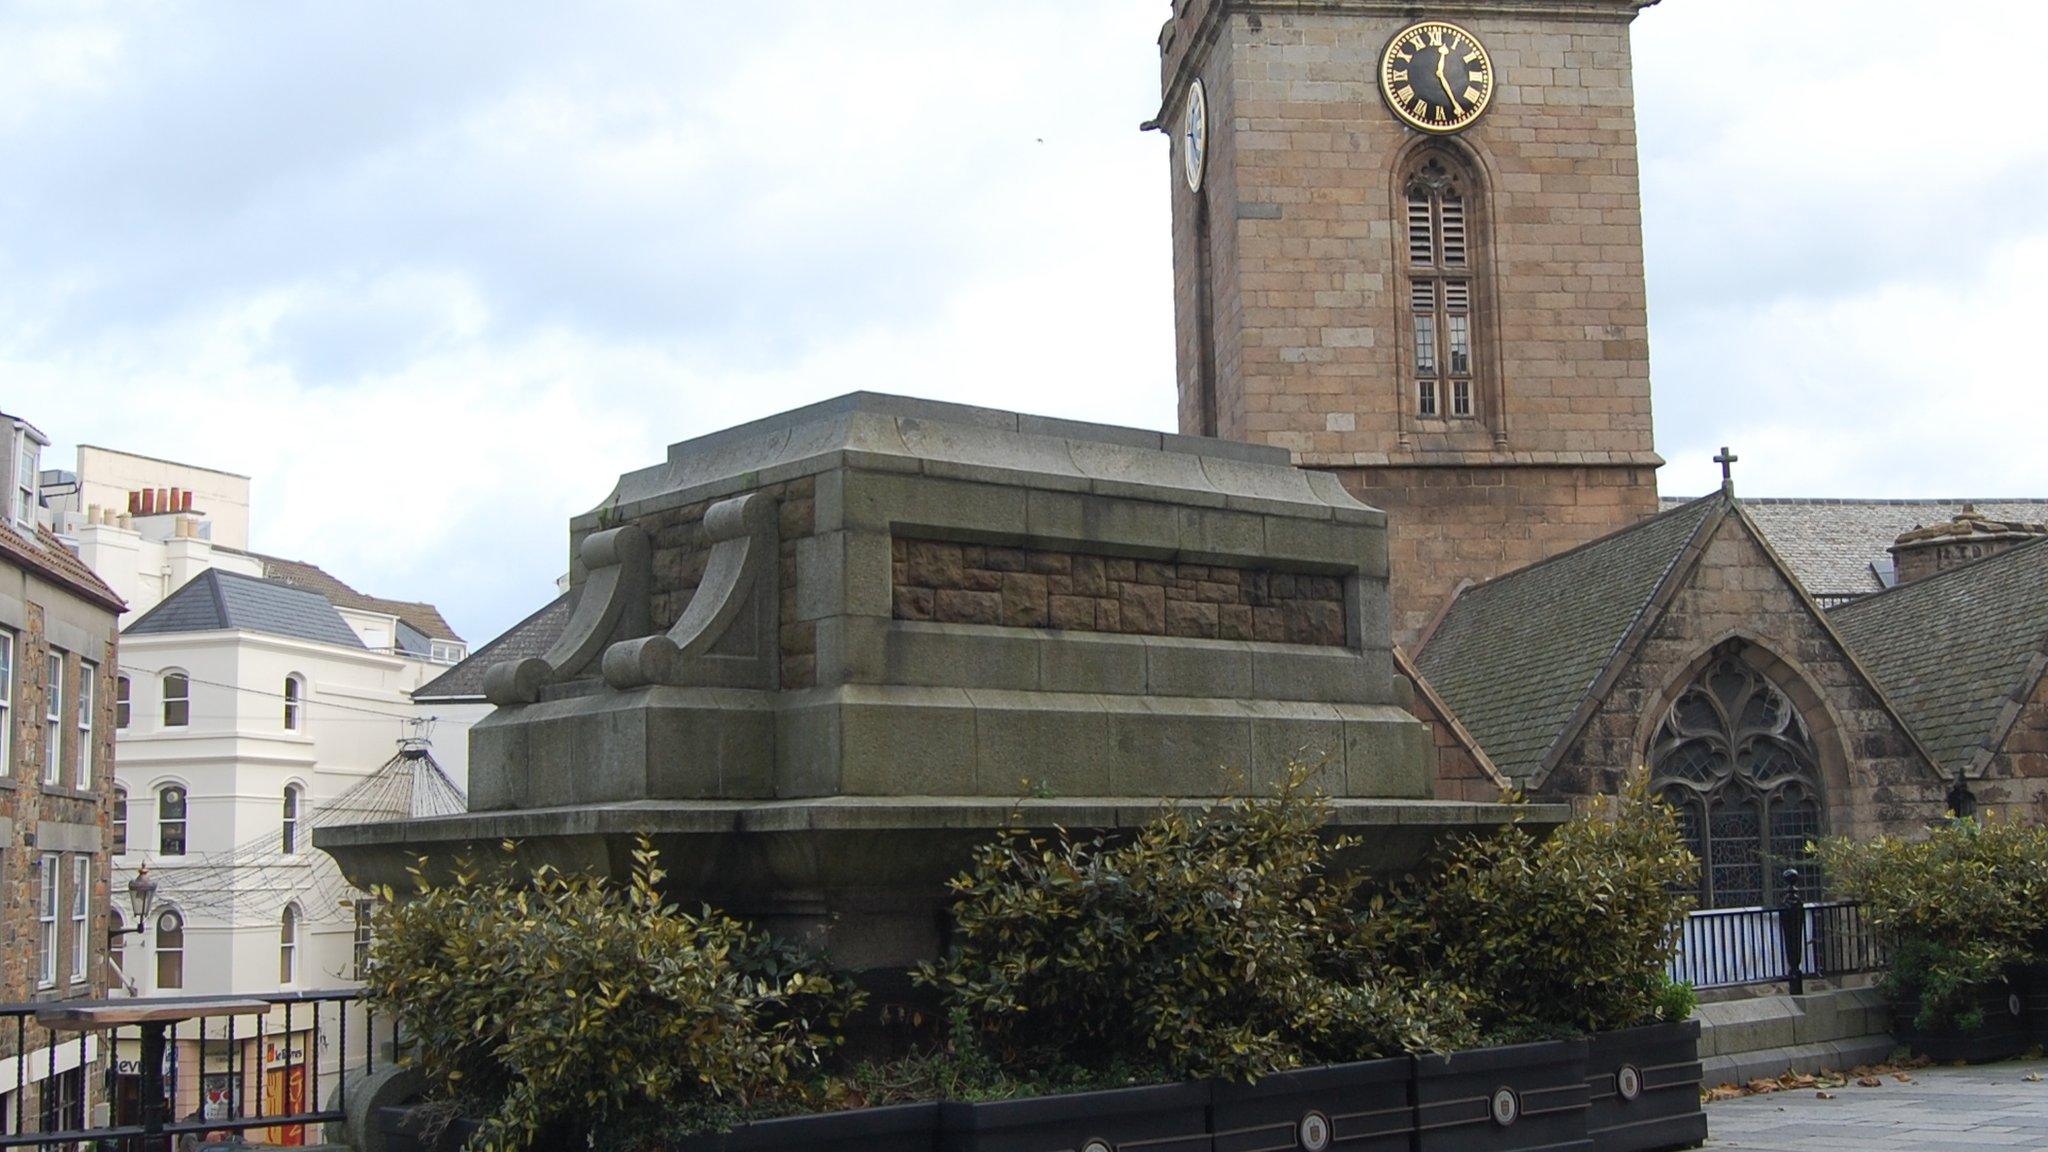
1628,1082
2012,1005
1507,1107
1098,1146
1313,1133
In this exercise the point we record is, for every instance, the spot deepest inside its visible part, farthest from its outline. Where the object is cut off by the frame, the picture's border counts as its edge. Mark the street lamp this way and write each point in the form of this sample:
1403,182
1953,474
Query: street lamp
141,893
1961,801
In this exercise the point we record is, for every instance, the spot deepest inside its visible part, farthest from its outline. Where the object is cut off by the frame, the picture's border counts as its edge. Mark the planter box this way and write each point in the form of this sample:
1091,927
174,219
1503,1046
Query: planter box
902,1128
1643,1088
1161,1118
1522,1098
2003,1036
1367,1107
401,1132
2033,988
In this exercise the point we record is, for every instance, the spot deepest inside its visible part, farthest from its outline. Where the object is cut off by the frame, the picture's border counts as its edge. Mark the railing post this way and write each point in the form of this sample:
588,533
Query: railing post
154,1106
1792,928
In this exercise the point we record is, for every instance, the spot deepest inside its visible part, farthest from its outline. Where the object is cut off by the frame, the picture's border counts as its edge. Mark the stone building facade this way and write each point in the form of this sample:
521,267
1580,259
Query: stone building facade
57,672
1301,245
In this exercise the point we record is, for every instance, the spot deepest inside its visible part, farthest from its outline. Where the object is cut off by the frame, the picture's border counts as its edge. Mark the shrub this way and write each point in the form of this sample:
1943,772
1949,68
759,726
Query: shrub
1212,942
529,999
1958,909
1555,936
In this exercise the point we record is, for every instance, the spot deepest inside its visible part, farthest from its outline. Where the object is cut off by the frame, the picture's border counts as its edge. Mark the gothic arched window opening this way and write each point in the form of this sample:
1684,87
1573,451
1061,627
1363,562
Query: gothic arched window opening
1443,295
1736,760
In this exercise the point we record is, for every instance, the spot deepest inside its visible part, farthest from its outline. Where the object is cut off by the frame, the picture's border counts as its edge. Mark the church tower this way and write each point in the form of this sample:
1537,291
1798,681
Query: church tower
1407,247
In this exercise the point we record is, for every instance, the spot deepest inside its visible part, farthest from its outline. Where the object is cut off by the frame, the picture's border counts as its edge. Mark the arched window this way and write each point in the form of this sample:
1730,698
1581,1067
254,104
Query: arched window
1442,290
1735,758
170,949
170,820
288,945
119,819
177,700
293,796
294,693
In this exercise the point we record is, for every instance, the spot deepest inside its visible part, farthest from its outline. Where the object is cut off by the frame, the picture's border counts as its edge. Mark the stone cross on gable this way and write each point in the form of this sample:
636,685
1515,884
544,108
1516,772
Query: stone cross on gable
1726,459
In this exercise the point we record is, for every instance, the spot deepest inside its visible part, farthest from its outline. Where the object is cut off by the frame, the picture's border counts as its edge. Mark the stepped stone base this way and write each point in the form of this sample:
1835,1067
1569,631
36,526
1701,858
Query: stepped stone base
1764,1037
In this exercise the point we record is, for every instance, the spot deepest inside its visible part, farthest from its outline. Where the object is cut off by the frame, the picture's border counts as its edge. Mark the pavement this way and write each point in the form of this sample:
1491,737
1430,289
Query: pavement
1988,1106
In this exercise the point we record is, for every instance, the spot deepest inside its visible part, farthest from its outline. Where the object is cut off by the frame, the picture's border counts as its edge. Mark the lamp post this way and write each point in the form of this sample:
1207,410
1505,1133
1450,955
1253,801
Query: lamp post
1962,803
141,894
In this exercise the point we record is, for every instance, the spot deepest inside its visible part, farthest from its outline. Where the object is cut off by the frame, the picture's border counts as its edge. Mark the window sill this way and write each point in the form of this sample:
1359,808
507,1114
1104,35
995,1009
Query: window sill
63,793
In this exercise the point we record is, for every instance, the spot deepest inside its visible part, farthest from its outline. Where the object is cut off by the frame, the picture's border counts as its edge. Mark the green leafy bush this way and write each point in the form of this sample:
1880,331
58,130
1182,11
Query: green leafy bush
530,999
1212,942
1957,909
1555,936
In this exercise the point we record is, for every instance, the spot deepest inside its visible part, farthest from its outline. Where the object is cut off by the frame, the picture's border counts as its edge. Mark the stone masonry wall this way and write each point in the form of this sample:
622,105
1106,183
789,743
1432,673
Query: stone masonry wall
1447,525
1880,782
955,583
2015,783
679,556
29,803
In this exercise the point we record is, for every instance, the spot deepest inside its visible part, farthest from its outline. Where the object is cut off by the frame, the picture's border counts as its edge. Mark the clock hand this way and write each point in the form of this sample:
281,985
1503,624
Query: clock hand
1443,54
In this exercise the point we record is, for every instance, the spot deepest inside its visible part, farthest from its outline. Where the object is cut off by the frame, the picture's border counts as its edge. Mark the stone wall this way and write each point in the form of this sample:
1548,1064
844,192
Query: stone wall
1448,525
2015,783
1875,779
60,818
679,556
951,583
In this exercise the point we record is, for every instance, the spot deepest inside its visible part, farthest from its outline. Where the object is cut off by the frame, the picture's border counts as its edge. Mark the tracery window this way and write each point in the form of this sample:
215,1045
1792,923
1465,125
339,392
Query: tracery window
1735,758
1442,293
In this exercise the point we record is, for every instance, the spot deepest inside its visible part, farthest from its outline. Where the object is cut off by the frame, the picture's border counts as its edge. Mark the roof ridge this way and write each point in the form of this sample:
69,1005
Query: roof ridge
1880,501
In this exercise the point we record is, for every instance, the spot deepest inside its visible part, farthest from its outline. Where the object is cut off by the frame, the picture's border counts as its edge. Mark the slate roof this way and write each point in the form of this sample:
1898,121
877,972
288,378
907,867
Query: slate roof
1516,656
420,615
530,637
1832,545
1957,651
216,601
46,555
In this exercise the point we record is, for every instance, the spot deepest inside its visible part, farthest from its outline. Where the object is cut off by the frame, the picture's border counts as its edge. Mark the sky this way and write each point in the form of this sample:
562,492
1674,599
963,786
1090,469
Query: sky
435,275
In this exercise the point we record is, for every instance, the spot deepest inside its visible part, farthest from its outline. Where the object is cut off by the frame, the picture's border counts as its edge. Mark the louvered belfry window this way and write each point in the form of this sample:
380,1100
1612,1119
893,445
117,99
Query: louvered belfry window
1440,292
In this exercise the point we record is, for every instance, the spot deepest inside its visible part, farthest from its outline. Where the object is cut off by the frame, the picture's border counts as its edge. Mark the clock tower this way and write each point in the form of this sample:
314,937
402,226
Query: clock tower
1408,247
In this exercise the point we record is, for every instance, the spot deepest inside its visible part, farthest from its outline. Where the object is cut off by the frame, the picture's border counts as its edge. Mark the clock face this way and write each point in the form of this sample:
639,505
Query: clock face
1436,76
1194,135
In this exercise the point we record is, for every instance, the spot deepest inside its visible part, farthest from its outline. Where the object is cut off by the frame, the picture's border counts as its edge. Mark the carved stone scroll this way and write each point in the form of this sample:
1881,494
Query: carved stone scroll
726,637
612,605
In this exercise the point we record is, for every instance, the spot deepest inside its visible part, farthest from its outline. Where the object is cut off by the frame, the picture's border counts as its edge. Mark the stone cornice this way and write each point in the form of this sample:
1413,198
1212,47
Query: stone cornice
1478,460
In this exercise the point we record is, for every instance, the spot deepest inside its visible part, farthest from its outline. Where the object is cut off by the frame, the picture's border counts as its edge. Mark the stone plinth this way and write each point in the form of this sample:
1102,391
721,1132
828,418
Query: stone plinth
819,656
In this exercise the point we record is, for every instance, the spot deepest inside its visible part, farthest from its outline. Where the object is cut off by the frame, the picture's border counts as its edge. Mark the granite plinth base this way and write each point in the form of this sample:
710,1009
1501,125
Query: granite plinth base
863,877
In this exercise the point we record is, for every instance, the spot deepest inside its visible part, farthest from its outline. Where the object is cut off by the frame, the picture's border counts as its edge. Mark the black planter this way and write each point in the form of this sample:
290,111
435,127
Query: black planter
1643,1088
904,1128
2003,1035
1162,1118
1521,1098
1366,1107
2033,987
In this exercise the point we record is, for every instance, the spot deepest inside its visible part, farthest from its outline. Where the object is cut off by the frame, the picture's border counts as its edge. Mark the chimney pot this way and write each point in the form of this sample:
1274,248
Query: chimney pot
187,505
177,495
134,502
148,502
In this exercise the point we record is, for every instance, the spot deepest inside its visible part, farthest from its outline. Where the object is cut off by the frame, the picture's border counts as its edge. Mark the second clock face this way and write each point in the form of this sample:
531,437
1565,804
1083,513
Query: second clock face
1436,76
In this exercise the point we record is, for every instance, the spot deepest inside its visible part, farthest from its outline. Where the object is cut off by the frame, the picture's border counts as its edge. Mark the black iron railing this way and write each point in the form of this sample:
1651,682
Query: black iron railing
1724,947
265,1072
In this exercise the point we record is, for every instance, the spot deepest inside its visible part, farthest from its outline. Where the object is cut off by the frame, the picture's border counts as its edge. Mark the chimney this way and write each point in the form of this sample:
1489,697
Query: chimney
134,502
1969,536
147,505
187,505
163,499
177,498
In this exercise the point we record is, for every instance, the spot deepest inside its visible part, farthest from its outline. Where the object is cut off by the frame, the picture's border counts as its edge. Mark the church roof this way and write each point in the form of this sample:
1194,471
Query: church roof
216,601
1959,652
530,637
1516,657
1837,547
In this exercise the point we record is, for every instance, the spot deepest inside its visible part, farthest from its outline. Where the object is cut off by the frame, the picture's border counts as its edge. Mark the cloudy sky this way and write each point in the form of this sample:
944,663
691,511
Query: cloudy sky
434,274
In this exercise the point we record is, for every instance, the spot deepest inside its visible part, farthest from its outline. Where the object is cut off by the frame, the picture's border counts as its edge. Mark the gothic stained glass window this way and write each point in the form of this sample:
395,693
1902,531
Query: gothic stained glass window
1735,758
1440,289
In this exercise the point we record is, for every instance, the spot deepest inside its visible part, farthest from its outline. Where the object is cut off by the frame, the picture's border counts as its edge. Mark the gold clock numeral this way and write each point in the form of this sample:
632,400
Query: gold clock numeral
1415,39
1471,95
1473,55
1479,78
1406,95
1398,77
1439,115
1436,37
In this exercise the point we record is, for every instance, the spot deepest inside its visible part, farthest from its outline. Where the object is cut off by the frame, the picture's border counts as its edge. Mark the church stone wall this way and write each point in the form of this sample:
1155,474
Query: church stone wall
1876,780
2015,783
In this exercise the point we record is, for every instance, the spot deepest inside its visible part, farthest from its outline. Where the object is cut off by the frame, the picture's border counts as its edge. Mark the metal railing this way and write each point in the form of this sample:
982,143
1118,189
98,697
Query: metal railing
261,1070
1725,947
